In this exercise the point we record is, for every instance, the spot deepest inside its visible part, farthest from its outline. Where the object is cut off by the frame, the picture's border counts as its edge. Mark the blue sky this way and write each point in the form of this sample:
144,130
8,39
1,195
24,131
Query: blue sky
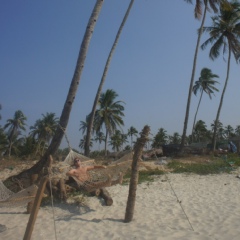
150,69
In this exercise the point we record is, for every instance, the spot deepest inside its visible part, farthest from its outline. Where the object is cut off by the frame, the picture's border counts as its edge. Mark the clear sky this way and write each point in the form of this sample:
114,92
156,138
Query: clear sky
150,69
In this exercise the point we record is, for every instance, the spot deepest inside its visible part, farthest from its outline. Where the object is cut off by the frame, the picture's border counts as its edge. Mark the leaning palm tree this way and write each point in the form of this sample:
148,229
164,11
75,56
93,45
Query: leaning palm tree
109,114
198,13
204,84
92,114
55,143
224,34
14,126
56,140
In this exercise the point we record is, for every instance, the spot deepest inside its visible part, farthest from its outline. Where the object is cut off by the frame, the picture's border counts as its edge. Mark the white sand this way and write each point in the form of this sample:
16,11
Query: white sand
206,207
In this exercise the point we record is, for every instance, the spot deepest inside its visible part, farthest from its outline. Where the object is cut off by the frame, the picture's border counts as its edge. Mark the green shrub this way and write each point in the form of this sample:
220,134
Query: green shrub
211,167
144,176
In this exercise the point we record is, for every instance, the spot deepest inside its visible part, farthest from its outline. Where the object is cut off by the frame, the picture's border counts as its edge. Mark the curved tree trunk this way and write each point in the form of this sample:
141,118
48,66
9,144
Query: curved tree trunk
221,101
134,176
196,114
57,138
192,80
92,115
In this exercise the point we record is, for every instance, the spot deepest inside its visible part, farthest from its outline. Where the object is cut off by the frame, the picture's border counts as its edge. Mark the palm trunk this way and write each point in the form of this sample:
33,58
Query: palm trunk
57,138
221,101
192,80
196,113
134,176
92,115
105,145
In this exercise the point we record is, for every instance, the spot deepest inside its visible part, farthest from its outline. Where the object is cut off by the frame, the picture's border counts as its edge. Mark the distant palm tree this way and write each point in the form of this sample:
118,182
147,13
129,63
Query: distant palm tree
160,138
99,138
116,141
198,13
200,130
224,34
219,129
132,131
109,114
229,131
175,138
237,130
204,84
92,114
83,142
43,130
84,124
14,126
3,142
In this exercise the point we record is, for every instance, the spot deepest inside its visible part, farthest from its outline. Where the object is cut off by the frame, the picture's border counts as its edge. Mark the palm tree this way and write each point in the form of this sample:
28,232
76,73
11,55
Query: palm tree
198,13
43,130
225,34
92,114
99,138
160,138
84,124
3,142
219,129
237,130
109,114
132,131
175,138
204,84
200,130
229,131
64,118
83,142
15,125
116,140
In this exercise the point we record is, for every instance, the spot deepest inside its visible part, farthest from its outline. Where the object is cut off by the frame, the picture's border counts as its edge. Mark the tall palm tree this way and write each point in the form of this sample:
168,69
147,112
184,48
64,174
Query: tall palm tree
198,13
92,114
64,118
132,131
204,84
14,126
224,34
109,114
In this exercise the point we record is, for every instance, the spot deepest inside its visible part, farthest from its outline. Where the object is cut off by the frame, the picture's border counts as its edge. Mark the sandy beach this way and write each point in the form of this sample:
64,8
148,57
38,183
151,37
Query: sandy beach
173,206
